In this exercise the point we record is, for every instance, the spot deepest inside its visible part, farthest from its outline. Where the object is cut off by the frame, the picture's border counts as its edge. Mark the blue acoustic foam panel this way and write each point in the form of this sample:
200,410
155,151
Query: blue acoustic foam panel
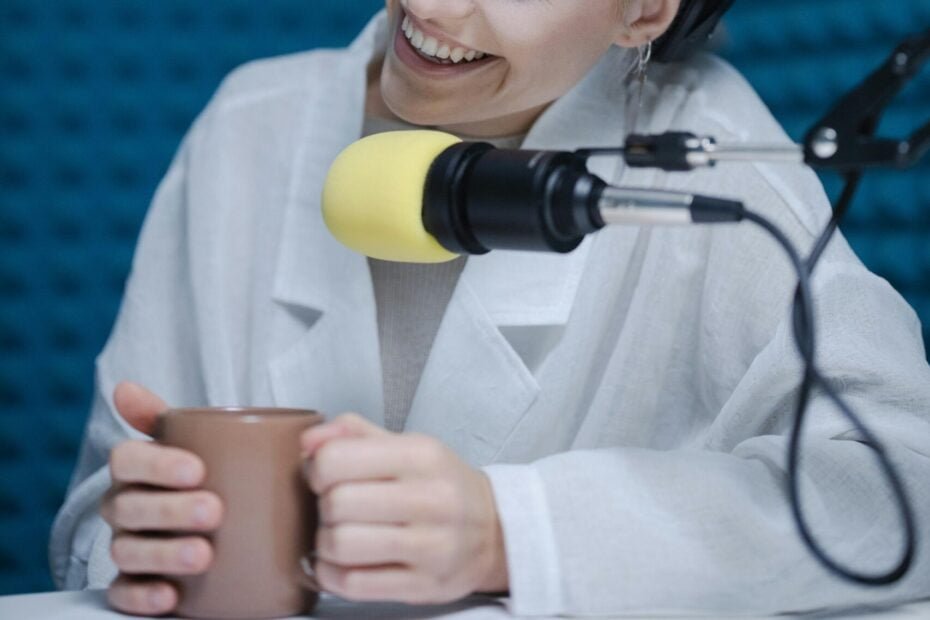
802,57
94,98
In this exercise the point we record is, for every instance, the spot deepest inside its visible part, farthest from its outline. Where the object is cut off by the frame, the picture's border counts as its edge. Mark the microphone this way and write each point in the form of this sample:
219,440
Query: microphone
426,196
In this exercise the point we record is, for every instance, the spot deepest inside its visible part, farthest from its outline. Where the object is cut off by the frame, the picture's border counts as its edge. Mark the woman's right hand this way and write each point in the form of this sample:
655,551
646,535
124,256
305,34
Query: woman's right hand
154,494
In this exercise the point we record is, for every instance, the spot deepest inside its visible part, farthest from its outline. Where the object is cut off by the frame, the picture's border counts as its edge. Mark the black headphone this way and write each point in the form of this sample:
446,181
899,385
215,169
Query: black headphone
693,26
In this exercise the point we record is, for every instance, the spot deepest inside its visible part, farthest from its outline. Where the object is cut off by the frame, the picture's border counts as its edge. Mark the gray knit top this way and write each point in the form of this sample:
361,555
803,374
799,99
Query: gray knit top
411,301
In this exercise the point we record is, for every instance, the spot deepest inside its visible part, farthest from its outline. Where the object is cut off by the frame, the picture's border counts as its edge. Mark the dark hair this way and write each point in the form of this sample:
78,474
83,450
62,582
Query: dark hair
693,26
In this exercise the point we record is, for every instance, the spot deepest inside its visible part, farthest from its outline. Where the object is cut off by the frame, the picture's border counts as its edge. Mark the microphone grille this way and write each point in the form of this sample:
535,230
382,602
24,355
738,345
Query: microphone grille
373,196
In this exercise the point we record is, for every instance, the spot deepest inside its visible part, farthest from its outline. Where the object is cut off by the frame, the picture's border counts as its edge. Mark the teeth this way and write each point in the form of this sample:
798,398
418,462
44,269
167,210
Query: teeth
430,46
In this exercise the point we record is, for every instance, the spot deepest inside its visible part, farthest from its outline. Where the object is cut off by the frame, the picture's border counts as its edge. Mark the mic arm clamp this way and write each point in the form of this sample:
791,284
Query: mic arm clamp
845,140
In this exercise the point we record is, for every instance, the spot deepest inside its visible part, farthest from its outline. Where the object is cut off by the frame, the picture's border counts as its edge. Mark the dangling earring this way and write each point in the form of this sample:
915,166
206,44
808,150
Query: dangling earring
642,66
645,55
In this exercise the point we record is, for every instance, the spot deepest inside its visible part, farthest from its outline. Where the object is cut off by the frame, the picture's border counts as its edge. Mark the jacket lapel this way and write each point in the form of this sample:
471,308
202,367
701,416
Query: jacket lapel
333,365
507,312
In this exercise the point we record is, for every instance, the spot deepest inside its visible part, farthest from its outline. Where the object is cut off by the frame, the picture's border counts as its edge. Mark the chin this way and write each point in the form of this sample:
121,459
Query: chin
418,112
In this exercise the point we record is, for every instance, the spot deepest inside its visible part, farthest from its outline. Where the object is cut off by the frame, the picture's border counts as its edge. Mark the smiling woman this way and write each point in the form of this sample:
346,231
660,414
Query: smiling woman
600,432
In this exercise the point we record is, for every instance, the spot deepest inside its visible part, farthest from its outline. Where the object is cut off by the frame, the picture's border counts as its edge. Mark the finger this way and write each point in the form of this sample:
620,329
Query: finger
382,583
384,457
136,555
373,545
142,596
135,509
392,502
345,425
138,406
145,462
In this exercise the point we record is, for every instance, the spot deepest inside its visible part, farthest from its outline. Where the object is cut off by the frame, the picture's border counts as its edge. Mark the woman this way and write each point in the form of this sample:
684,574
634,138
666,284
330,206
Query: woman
594,433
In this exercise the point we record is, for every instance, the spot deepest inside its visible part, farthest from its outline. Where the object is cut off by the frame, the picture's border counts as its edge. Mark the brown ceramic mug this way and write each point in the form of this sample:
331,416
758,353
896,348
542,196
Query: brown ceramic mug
252,459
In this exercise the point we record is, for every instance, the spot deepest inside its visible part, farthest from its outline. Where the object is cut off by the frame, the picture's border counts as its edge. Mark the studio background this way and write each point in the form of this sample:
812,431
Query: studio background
95,96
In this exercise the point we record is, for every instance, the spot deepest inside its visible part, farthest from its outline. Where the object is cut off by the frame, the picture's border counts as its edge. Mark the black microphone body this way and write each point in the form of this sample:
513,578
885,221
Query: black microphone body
478,198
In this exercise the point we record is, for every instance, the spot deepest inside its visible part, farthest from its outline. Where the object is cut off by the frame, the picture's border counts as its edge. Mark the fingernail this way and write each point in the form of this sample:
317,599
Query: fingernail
188,556
186,475
201,513
159,599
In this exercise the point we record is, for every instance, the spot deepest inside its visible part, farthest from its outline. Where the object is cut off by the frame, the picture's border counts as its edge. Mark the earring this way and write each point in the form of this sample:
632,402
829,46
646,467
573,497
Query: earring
644,55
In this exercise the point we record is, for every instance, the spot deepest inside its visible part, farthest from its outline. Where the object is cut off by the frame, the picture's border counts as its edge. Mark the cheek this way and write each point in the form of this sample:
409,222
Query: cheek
553,66
559,48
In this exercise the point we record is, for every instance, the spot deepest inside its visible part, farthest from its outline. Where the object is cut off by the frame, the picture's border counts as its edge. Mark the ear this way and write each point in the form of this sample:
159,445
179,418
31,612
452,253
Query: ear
645,20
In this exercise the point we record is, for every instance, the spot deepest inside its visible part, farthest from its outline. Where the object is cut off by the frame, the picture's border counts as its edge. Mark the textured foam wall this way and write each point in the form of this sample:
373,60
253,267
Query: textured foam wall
94,96
801,56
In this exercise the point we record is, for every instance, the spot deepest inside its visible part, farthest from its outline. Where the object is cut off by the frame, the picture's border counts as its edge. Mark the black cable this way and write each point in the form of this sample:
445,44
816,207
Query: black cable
805,340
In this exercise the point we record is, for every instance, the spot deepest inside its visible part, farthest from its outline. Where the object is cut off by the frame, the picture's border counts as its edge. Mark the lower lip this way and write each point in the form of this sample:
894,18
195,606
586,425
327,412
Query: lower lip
410,57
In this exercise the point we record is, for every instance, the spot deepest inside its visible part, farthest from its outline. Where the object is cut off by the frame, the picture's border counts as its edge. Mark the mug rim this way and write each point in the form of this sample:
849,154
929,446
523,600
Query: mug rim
242,414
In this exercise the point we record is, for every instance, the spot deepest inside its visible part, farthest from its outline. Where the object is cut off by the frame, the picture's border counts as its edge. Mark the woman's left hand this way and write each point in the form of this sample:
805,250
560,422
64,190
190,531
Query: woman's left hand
402,518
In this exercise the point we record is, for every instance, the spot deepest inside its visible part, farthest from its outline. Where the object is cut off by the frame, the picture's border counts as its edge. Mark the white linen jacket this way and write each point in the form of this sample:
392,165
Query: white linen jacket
629,401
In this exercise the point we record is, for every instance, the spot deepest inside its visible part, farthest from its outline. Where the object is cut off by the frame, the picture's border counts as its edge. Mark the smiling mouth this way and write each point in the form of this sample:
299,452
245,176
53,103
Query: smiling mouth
437,51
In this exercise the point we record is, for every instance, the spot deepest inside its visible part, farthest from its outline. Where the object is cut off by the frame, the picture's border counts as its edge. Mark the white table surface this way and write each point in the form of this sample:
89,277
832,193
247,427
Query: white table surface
91,605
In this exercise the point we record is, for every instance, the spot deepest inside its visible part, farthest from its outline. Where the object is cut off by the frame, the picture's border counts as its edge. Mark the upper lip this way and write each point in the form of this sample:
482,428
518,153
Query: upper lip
440,36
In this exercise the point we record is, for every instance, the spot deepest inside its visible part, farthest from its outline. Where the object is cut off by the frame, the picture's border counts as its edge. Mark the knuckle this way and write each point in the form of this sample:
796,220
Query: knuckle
163,466
163,557
124,510
166,512
445,499
431,550
122,551
119,456
444,549
351,417
431,451
397,546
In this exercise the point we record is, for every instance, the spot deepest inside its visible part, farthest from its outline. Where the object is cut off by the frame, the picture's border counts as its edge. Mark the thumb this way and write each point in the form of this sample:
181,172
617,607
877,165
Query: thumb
138,406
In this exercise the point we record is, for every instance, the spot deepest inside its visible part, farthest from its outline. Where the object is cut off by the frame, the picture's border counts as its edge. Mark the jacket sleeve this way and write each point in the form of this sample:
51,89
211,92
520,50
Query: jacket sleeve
708,528
153,343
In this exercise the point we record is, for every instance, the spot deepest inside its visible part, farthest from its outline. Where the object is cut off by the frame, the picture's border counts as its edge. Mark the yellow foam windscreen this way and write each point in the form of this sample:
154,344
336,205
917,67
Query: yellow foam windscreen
373,196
